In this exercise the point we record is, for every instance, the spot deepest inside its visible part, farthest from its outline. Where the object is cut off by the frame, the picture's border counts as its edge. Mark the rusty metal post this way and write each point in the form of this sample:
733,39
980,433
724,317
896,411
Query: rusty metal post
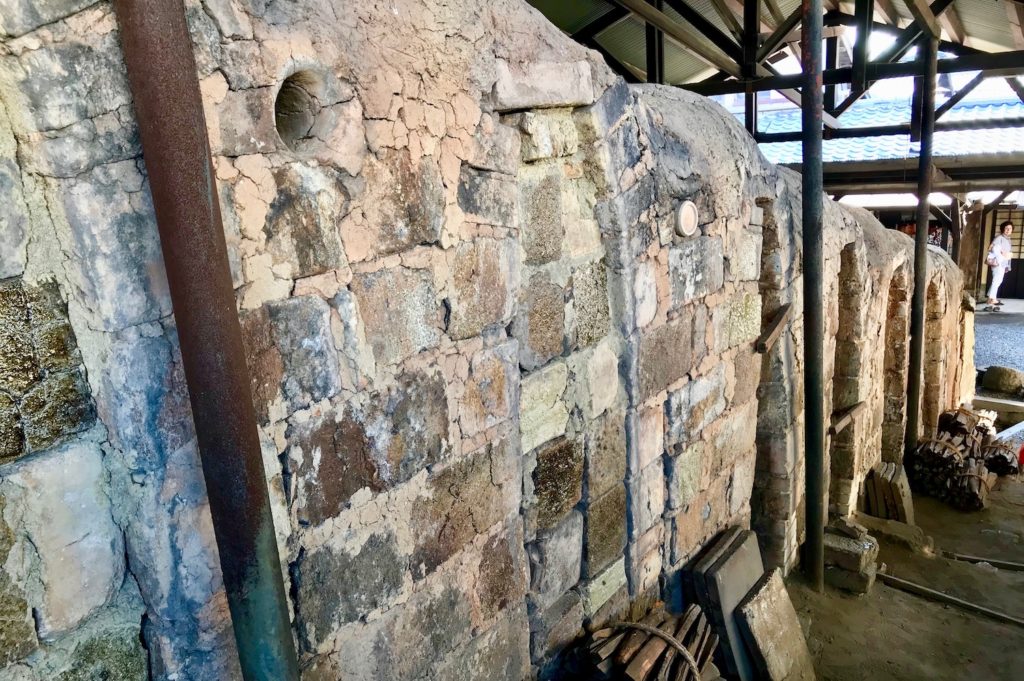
162,75
814,311
929,55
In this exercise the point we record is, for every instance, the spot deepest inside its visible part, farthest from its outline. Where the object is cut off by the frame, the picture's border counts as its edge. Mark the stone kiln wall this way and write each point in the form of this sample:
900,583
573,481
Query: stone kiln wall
499,396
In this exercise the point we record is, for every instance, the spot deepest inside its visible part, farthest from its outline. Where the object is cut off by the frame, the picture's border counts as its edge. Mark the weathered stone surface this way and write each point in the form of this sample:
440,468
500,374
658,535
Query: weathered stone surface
21,16
496,146
17,630
302,335
501,654
850,554
541,214
539,324
649,439
696,267
773,632
542,84
542,413
605,536
490,388
599,590
14,219
546,134
744,319
399,311
847,580
645,290
407,208
302,222
65,514
696,405
116,655
44,397
557,480
336,586
590,303
596,381
606,455
555,560
1003,380
483,278
501,581
684,475
487,197
665,354
465,501
646,498
556,627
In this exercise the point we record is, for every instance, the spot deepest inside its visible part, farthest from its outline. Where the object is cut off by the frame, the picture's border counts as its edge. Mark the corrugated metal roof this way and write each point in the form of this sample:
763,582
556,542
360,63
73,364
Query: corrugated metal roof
947,144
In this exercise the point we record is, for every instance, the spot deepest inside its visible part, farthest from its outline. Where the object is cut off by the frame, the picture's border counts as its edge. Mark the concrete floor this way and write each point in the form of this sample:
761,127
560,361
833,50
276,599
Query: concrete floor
889,634
999,336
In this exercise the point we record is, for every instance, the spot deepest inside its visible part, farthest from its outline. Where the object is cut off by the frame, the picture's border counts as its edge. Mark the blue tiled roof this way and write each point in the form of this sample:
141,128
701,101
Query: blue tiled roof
867,113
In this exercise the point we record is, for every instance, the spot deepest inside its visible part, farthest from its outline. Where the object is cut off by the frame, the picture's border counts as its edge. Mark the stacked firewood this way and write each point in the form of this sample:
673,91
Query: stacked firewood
952,465
652,650
1001,459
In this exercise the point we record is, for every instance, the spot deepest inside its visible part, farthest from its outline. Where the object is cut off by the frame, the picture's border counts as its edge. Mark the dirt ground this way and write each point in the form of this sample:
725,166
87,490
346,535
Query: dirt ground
889,634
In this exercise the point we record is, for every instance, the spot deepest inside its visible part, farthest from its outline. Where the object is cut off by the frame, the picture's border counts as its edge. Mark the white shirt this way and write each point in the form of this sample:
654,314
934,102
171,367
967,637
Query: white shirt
1003,250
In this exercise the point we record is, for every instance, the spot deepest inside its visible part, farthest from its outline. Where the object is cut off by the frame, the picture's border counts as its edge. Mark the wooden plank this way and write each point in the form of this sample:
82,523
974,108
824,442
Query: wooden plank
924,17
994,562
939,597
650,653
841,419
635,639
771,334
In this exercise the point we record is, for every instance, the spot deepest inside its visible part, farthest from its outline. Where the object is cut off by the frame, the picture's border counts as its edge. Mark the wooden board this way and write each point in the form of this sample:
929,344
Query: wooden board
728,582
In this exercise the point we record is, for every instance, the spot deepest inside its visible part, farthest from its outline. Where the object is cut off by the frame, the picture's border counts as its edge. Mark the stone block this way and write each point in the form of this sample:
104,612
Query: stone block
65,514
245,123
1003,380
645,290
496,145
850,554
546,134
399,311
743,262
541,214
854,582
684,475
649,439
542,411
483,278
539,325
14,218
601,589
645,559
596,380
302,222
463,500
542,84
557,481
336,586
772,630
696,405
605,536
696,268
557,626
665,353
301,330
45,395
744,325
646,499
501,580
113,653
555,561
605,455
589,295
113,238
490,389
21,16
747,365
17,629
487,197
501,654
405,207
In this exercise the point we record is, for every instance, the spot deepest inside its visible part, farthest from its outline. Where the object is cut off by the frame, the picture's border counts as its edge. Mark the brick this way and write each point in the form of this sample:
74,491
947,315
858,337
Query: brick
850,554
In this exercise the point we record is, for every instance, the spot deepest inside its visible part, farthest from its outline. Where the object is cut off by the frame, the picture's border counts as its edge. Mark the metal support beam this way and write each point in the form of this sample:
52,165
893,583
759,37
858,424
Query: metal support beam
928,66
694,42
655,49
831,61
165,90
1016,86
751,37
894,129
601,24
864,13
778,36
958,96
814,313
706,28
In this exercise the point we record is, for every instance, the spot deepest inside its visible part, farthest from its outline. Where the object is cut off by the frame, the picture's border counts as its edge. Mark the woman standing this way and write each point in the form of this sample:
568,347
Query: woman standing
999,254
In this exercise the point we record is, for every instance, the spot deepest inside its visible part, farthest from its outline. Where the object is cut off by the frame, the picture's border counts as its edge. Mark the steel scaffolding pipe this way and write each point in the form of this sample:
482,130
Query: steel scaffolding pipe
929,55
165,89
814,318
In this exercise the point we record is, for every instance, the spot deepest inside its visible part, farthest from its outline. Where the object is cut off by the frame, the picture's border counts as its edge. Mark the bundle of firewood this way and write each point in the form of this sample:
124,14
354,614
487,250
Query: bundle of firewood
952,466
652,650
1001,459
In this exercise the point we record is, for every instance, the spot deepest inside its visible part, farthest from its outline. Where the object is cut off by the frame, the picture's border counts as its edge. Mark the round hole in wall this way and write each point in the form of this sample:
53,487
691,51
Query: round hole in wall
297,107
686,218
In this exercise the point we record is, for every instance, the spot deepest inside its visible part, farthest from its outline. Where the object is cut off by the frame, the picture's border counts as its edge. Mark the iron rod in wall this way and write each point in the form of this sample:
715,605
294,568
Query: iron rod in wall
924,188
814,319
162,76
